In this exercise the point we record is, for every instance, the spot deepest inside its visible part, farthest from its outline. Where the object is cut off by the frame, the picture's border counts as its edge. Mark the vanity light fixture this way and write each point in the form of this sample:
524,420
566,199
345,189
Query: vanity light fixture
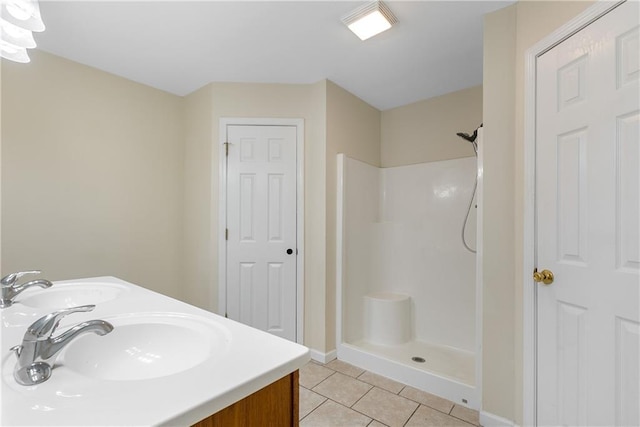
370,19
18,19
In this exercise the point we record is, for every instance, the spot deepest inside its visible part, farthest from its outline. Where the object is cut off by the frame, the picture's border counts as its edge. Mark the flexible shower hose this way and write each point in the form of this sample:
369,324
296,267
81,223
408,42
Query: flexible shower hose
466,218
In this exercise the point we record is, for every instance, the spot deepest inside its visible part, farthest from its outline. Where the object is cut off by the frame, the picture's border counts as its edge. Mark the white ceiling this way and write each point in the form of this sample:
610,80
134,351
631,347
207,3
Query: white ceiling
180,46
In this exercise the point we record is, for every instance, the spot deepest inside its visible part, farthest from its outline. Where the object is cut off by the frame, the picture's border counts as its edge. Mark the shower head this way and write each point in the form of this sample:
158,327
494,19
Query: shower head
470,138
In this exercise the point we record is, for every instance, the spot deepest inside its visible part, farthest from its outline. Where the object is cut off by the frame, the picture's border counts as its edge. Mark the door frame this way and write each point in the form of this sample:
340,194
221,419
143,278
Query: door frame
221,223
529,303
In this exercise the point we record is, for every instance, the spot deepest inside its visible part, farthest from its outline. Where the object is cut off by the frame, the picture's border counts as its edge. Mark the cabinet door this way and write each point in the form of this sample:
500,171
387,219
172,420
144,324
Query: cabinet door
274,405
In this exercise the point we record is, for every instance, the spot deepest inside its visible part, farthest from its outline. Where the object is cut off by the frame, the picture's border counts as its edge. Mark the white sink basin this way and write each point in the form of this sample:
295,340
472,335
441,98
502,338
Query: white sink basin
146,346
70,295
165,362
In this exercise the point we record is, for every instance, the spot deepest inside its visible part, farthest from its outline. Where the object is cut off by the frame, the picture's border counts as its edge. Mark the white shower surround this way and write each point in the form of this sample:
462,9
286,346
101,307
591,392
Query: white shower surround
399,230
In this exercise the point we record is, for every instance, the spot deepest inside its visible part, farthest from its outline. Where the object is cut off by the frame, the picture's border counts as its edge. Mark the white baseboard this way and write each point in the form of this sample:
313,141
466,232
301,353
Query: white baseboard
490,420
318,356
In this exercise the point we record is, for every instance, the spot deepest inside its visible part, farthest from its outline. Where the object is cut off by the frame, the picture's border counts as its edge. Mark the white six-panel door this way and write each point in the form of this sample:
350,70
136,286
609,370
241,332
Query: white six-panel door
261,223
588,215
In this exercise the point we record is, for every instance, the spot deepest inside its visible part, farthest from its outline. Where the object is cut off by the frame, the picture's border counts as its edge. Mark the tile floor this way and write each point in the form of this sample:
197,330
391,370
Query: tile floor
340,394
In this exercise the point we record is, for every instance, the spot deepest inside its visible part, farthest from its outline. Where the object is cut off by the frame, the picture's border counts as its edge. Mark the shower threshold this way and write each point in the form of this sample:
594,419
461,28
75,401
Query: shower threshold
447,372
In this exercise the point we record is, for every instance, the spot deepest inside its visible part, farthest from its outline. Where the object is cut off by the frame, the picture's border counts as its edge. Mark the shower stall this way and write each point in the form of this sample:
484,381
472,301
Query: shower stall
407,296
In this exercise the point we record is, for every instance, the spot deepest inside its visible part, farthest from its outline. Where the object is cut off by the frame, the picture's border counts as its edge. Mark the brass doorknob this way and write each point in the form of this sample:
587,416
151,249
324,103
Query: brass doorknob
544,276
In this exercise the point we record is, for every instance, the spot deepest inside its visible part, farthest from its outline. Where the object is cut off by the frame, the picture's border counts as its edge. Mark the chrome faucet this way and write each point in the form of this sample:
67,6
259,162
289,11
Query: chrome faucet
37,352
10,288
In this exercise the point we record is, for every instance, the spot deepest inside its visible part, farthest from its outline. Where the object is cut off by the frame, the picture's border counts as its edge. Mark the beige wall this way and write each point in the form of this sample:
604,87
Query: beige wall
498,242
146,154
219,100
335,122
353,128
92,174
197,286
127,178
526,22
425,131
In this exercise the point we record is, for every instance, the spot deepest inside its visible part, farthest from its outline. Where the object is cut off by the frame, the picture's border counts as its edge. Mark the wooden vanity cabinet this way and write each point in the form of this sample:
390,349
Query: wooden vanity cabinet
275,405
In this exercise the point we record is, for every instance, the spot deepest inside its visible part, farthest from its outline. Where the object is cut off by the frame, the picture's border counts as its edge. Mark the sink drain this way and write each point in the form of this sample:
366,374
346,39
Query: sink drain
418,359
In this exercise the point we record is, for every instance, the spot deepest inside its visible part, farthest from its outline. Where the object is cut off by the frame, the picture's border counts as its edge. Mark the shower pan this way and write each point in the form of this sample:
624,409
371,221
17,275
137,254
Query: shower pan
407,300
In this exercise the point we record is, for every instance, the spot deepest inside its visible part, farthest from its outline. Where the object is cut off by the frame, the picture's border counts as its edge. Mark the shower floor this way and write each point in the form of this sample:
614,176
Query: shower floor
446,371
445,361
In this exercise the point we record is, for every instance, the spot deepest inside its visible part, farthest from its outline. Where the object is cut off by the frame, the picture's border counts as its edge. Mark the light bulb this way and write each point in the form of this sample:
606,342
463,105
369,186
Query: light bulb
13,52
15,35
22,13
370,19
370,25
20,9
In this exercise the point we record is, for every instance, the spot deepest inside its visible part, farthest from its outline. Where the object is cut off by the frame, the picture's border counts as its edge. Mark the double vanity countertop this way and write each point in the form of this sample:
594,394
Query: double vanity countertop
165,362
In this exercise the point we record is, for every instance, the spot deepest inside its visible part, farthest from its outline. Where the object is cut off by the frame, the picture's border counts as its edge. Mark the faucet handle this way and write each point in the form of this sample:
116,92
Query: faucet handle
11,279
44,327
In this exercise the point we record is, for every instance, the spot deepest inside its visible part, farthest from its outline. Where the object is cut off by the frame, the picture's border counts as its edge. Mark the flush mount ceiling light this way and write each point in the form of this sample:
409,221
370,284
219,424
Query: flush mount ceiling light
370,19
18,18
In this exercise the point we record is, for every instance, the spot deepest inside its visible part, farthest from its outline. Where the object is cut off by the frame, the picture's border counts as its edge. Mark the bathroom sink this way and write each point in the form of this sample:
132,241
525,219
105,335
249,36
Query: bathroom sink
146,346
71,295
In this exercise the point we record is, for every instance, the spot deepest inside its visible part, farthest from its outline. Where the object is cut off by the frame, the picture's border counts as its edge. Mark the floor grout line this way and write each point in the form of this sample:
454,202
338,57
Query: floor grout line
319,405
328,376
357,378
412,414
359,399
355,410
372,387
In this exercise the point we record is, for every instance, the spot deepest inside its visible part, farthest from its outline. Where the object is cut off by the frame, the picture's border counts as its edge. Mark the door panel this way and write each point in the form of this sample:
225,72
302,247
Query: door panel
627,356
587,225
627,203
261,223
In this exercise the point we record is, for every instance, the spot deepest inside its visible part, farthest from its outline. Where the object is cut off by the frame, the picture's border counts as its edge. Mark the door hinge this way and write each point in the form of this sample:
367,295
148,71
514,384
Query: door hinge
226,315
226,234
226,149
